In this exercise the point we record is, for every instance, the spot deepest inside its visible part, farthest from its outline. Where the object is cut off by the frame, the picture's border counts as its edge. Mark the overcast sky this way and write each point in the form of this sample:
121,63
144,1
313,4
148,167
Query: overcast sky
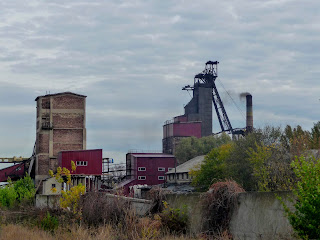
131,58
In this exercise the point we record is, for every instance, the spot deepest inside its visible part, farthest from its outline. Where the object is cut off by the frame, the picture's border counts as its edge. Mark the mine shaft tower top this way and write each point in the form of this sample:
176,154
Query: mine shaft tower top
207,79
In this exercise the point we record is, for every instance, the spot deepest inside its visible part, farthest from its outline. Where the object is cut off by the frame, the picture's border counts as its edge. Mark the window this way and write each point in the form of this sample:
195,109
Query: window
161,169
141,177
141,169
170,168
160,177
82,163
53,186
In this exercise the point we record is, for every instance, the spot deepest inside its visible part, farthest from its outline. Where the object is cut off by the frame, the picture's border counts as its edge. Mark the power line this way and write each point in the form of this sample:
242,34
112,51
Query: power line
241,112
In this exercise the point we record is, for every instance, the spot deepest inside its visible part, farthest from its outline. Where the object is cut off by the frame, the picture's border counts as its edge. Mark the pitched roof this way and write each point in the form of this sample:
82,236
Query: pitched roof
62,93
188,165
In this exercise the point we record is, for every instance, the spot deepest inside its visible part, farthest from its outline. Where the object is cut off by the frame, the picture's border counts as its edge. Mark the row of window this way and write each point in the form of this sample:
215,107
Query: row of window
179,176
160,169
144,177
82,163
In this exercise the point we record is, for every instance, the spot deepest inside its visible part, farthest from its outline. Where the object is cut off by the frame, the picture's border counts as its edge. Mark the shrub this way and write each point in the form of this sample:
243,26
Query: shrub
49,223
148,228
306,217
219,203
174,219
25,190
98,209
8,195
70,199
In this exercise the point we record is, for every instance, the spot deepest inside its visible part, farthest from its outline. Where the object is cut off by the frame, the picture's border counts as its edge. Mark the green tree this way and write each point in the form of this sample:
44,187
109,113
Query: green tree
213,169
271,167
191,147
315,136
295,140
238,162
305,220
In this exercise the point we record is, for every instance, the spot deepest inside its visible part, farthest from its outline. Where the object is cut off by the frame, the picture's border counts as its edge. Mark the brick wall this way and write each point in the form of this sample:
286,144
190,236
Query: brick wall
67,135
43,143
68,102
68,120
66,114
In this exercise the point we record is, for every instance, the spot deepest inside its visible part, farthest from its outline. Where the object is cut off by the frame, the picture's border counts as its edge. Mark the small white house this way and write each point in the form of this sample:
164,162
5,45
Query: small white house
181,175
49,184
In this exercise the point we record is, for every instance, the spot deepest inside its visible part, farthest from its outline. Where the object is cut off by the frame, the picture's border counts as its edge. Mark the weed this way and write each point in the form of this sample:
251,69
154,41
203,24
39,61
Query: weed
49,223
174,219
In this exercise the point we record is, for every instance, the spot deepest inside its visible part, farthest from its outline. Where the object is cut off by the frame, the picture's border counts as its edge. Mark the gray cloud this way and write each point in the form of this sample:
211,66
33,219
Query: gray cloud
131,59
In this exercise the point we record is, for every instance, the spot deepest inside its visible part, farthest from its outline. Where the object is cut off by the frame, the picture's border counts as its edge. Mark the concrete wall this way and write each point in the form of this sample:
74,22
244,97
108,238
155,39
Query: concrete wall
47,201
140,206
259,215
192,201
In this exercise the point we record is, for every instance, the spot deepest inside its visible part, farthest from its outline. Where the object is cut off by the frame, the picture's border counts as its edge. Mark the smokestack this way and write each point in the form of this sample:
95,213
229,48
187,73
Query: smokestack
249,126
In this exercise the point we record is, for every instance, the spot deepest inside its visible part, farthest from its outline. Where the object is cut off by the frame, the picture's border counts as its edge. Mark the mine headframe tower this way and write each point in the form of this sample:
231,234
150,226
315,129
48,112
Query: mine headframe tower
207,79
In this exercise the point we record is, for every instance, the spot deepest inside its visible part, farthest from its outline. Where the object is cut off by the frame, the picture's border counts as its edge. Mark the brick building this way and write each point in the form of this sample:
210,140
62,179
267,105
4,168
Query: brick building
61,126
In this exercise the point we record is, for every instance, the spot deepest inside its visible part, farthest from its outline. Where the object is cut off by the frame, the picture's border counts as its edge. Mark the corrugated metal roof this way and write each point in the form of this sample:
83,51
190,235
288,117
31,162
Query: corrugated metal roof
188,165
62,93
152,155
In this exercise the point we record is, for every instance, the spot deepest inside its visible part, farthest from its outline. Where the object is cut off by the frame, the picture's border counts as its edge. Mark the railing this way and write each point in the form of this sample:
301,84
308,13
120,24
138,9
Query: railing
47,125
144,151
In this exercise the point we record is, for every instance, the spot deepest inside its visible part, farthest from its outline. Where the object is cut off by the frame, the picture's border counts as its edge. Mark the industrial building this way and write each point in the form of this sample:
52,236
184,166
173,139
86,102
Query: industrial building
61,126
61,138
197,118
147,169
181,175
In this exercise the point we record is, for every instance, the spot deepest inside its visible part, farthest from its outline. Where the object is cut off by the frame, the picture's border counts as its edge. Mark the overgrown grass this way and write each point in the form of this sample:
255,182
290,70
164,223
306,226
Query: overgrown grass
106,232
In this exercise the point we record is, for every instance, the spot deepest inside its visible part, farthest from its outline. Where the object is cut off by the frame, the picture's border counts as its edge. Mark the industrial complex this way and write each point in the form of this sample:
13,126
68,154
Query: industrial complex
61,139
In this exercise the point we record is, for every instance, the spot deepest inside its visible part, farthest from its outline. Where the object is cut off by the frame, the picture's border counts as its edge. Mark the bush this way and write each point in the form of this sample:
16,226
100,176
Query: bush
49,223
174,219
21,191
25,190
219,203
306,217
8,195
70,199
98,209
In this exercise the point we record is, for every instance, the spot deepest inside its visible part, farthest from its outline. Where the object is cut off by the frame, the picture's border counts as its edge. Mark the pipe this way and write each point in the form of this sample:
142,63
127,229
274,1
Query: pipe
249,125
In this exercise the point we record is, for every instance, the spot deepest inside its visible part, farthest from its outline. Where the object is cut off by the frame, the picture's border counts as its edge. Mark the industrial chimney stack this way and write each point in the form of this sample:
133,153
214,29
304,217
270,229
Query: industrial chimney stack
249,126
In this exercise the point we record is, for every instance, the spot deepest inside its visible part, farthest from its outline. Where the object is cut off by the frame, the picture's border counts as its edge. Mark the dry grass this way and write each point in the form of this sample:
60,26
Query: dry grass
19,232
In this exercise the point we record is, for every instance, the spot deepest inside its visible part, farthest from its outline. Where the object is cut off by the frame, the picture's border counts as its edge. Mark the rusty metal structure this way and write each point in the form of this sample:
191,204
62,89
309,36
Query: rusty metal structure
197,119
206,79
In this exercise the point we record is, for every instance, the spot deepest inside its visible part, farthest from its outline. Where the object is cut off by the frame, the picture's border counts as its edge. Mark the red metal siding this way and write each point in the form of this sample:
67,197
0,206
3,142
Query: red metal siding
92,157
14,172
152,164
187,129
